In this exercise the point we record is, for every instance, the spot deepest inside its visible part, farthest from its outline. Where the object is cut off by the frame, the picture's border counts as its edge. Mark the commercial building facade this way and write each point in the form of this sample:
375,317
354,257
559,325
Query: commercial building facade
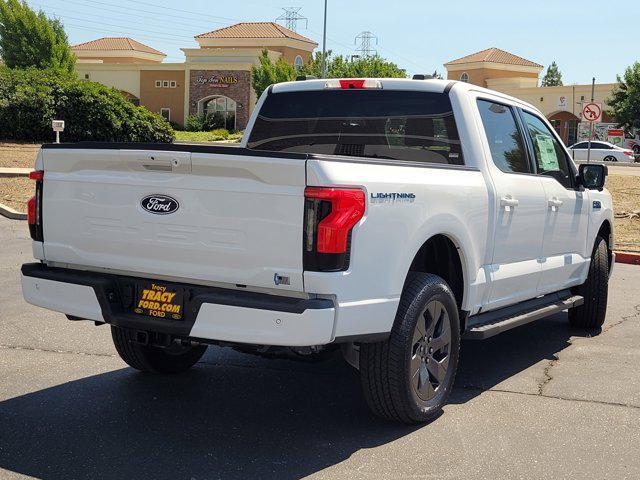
215,78
516,76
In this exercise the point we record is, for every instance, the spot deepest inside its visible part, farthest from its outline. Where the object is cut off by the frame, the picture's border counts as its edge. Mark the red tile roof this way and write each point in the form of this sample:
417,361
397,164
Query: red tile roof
115,43
494,55
255,30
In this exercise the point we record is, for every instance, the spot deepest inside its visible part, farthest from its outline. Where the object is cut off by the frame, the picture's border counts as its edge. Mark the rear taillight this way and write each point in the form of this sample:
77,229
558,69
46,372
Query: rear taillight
330,215
34,207
628,152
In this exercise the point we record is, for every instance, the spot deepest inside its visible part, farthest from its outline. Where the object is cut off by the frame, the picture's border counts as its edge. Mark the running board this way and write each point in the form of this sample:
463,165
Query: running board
486,325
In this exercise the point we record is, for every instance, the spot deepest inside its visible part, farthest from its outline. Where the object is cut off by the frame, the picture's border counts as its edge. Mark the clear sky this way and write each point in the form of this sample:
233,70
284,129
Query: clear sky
586,38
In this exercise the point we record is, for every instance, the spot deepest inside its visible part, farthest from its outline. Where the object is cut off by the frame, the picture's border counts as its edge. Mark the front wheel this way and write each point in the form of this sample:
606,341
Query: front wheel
595,290
409,377
175,358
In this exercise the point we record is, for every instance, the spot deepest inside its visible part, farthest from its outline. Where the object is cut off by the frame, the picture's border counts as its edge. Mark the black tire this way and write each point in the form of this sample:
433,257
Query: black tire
594,290
610,158
173,359
391,387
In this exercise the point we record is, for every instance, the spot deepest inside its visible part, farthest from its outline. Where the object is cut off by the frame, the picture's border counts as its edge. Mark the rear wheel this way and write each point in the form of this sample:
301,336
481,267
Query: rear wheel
610,158
591,314
409,377
175,358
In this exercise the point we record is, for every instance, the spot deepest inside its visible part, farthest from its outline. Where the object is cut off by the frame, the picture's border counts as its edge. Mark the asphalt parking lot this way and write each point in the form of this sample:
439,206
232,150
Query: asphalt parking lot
542,402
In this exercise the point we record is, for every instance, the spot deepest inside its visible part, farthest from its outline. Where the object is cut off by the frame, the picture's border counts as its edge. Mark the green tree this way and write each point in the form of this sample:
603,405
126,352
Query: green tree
624,105
269,73
553,77
29,39
339,66
437,75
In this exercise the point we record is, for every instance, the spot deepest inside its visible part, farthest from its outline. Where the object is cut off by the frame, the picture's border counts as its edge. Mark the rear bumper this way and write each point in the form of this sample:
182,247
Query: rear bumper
210,313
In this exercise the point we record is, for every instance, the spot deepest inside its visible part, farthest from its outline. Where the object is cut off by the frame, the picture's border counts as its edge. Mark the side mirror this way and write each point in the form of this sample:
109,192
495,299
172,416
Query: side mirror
592,176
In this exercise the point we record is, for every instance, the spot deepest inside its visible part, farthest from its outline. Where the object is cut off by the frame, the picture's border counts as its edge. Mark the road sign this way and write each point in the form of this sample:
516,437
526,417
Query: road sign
591,112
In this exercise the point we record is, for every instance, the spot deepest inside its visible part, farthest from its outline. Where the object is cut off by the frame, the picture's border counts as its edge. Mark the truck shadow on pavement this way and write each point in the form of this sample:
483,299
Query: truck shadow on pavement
232,416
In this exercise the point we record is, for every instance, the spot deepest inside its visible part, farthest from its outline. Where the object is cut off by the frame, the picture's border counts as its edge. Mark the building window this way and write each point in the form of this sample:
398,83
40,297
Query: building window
464,77
165,84
298,62
222,109
86,76
173,84
166,114
158,83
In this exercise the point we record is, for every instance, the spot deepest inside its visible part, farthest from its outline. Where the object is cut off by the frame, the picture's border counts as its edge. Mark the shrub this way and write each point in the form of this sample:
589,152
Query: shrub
221,133
208,122
30,99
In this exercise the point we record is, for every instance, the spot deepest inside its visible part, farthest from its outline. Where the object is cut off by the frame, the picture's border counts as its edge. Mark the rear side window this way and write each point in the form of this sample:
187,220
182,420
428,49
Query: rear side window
504,137
386,124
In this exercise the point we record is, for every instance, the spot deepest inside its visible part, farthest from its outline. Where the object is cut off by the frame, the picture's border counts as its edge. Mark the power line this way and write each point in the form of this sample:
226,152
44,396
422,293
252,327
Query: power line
292,17
366,39
163,16
182,37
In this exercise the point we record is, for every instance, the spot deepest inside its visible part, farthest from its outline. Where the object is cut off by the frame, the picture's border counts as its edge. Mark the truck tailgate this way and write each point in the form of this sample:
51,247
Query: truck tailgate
239,218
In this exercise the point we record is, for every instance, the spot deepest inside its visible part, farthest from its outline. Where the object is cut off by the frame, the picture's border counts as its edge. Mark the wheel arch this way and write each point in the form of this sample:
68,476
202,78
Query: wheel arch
606,232
442,255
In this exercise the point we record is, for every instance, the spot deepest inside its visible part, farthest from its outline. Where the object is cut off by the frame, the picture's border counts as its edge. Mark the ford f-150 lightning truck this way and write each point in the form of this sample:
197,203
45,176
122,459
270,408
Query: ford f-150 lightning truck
386,218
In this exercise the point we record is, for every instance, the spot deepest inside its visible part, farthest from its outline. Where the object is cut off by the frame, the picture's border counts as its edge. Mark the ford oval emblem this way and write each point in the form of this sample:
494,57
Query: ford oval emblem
159,204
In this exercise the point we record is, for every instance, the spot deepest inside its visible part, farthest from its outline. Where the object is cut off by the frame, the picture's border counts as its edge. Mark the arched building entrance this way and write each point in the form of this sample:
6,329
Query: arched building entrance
566,124
219,106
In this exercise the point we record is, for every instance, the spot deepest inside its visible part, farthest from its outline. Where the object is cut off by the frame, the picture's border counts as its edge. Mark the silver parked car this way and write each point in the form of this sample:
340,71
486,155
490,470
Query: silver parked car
601,152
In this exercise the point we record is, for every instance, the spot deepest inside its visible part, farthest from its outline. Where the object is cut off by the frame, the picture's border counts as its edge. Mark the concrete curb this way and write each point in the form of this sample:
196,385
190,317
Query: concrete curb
628,257
11,213
15,172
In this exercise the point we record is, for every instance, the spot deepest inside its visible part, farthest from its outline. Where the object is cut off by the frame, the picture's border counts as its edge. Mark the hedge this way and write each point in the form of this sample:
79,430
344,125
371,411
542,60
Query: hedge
30,99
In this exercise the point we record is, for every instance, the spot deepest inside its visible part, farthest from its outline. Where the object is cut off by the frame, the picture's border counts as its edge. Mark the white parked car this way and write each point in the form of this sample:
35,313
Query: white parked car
383,218
601,152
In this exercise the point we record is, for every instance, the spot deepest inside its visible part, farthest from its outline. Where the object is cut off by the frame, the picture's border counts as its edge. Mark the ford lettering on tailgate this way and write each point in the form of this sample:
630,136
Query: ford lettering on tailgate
159,204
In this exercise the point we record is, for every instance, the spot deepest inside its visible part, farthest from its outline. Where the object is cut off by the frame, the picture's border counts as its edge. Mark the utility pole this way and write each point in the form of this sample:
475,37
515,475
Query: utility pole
291,17
593,89
366,38
324,43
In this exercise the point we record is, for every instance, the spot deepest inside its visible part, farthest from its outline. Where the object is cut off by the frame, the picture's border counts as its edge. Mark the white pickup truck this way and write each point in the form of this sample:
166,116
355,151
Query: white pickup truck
386,218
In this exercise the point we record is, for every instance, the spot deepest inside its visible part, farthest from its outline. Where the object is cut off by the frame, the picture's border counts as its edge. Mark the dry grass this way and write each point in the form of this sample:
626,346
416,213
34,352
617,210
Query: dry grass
18,155
15,192
626,199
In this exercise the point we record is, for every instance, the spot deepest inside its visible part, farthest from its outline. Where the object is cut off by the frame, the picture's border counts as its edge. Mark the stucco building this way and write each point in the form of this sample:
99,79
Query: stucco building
214,78
516,76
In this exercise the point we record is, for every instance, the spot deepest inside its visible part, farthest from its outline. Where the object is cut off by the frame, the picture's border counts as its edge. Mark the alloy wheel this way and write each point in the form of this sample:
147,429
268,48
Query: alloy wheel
430,351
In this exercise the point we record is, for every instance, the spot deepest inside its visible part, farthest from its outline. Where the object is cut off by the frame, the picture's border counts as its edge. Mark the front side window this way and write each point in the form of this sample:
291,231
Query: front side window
384,124
550,156
503,136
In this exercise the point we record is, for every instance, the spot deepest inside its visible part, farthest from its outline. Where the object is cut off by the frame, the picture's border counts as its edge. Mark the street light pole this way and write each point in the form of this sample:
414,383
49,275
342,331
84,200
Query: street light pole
324,43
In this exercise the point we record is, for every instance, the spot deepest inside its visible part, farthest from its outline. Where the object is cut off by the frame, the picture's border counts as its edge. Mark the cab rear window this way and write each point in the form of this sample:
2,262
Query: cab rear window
384,124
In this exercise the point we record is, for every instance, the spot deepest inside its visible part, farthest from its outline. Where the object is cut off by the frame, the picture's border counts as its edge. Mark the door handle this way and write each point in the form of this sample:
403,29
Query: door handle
508,202
554,203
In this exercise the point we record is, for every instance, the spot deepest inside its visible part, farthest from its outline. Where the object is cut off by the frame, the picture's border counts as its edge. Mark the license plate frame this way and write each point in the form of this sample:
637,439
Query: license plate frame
159,300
